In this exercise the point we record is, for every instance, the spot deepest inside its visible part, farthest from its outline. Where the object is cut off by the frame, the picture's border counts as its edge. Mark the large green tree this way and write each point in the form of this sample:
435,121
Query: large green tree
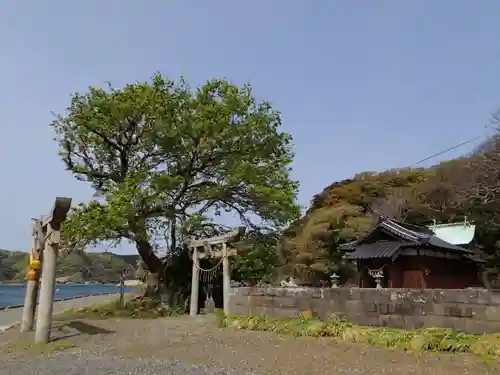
258,259
164,160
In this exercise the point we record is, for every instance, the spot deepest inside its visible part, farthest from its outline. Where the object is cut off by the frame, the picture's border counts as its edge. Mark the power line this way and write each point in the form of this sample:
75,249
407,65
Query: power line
469,87
447,150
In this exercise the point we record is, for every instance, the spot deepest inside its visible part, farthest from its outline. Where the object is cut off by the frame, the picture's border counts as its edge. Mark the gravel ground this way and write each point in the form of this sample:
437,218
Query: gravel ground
64,364
184,346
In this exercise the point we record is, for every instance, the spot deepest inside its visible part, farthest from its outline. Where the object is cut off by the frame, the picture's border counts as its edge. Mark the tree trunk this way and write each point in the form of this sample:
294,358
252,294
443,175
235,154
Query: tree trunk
151,289
150,259
173,234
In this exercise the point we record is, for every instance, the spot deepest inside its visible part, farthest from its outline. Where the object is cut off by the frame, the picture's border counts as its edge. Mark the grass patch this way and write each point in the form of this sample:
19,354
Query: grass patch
141,308
37,349
415,340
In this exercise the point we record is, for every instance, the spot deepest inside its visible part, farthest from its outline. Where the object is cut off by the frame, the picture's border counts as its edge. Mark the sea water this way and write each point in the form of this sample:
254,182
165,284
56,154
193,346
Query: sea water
13,294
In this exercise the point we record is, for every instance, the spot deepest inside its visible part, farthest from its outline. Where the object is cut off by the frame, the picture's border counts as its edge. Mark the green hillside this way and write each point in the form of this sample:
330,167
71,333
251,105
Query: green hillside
76,266
12,263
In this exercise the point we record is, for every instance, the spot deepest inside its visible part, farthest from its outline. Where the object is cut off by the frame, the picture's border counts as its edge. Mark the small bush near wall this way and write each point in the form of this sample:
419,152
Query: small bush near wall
415,340
143,308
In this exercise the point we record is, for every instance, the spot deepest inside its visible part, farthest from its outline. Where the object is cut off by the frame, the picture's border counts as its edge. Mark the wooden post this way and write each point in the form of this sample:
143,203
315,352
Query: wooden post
226,274
122,289
195,284
32,276
48,278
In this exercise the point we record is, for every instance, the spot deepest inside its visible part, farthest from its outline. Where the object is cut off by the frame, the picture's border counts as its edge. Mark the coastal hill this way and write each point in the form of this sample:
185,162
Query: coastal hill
444,193
77,266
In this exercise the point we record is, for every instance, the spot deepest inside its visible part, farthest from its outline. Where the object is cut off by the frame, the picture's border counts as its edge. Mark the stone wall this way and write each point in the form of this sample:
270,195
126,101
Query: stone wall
468,310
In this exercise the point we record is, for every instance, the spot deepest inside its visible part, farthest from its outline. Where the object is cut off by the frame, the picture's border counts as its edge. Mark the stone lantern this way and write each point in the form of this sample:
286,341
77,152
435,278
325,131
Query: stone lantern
335,280
379,277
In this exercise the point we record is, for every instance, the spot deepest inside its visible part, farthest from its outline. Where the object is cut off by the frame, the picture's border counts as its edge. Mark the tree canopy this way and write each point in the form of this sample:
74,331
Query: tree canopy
164,160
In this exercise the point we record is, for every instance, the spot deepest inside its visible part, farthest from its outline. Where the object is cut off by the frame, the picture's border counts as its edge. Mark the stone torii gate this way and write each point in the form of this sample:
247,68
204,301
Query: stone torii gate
212,248
46,236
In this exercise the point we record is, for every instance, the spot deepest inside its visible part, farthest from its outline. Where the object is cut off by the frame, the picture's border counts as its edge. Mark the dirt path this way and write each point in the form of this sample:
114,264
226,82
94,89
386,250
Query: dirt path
174,345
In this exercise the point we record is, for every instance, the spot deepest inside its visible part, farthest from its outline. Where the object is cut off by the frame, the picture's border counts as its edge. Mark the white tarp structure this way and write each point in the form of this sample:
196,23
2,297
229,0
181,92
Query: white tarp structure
455,233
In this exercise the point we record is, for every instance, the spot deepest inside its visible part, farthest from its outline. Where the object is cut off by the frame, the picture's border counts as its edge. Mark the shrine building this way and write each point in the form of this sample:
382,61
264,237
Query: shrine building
401,255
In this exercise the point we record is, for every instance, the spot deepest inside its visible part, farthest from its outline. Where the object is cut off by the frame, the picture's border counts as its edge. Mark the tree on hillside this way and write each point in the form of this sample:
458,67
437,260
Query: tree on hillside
258,259
480,195
315,252
164,160
396,203
480,190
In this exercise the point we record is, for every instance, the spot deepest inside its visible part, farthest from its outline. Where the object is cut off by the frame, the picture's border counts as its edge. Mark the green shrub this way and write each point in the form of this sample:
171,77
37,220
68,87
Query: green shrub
415,340
220,318
145,308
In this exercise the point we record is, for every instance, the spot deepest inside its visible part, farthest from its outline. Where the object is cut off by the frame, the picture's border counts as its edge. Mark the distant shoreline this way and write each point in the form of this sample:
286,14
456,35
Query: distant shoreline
8,282
14,294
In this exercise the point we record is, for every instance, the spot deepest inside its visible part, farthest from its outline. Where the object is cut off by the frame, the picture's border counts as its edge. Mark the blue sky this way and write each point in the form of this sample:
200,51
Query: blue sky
362,85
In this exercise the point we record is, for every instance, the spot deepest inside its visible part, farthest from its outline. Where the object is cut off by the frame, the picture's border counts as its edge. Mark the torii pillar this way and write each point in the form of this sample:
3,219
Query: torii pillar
32,277
51,226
